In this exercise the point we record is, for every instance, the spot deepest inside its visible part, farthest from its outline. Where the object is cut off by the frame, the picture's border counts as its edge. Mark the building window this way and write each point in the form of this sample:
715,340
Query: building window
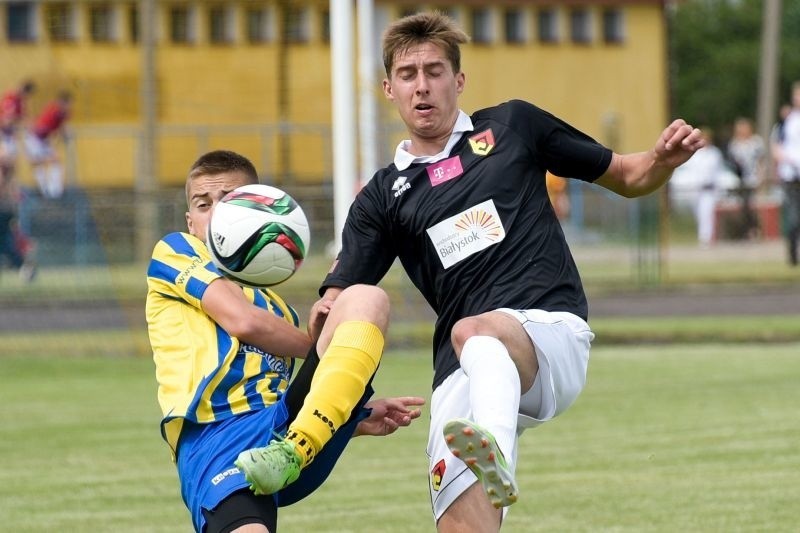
514,26
481,26
180,25
20,22
101,23
220,25
548,26
297,30
133,22
258,25
325,26
613,26
580,24
60,22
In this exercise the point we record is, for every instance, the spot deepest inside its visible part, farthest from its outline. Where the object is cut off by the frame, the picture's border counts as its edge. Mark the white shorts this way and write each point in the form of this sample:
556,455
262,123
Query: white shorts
38,149
562,341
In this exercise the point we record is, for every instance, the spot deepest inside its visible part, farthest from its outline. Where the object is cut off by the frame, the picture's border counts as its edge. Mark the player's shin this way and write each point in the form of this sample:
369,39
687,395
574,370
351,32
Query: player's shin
494,388
339,382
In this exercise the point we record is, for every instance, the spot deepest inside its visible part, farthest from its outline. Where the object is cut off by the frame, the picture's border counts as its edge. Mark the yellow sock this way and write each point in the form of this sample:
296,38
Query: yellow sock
338,383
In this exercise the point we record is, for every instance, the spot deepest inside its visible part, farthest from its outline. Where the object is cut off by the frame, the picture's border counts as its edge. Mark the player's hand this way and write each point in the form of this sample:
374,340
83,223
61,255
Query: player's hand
318,316
677,143
389,414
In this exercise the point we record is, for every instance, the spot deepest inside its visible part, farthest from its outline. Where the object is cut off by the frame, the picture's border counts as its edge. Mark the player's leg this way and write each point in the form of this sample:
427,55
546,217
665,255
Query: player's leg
215,492
37,156
351,343
561,343
242,512
55,178
459,502
499,359
7,244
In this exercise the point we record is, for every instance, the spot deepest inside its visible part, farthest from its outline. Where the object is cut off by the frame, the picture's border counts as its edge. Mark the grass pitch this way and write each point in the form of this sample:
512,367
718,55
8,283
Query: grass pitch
666,438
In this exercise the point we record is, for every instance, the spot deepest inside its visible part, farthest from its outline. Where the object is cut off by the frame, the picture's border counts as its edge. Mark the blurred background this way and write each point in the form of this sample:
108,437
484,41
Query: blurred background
152,84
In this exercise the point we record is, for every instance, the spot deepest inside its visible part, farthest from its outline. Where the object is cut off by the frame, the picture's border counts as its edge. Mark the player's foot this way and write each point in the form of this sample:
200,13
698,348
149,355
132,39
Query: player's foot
27,272
479,451
271,468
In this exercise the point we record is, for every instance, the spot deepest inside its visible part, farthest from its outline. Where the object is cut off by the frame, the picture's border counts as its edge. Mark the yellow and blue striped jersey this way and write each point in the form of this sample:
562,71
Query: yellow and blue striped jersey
203,373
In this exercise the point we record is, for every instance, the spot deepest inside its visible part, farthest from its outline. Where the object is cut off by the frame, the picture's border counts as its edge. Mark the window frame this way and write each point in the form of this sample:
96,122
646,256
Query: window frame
580,25
547,26
26,16
613,25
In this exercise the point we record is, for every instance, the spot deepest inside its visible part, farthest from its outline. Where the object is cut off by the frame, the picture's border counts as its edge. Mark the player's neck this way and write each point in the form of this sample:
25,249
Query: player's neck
422,146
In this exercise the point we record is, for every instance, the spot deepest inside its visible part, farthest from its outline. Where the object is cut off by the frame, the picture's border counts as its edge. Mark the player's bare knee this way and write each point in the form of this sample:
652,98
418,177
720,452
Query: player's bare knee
365,302
463,330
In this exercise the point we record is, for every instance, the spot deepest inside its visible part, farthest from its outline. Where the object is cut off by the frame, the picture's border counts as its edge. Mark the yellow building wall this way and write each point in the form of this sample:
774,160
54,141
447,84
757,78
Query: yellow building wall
227,96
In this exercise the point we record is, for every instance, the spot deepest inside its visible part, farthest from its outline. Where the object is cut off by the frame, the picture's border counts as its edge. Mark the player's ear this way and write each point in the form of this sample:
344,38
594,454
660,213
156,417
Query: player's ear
189,223
387,90
461,79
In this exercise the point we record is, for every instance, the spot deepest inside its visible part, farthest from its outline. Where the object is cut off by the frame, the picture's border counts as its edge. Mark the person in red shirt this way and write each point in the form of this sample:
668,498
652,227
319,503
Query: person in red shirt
12,113
47,168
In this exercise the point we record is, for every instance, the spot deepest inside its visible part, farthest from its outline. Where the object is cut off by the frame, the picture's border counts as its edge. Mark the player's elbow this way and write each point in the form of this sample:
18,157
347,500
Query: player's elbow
245,326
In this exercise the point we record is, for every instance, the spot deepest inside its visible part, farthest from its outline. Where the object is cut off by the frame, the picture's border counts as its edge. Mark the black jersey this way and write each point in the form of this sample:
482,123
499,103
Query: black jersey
475,231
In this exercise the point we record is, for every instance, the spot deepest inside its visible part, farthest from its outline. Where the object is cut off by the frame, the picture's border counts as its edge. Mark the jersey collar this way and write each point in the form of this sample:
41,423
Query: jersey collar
403,159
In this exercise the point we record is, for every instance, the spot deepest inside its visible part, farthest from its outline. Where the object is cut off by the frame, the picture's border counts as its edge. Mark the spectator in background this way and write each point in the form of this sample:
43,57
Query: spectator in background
787,155
705,170
12,114
47,167
15,248
746,150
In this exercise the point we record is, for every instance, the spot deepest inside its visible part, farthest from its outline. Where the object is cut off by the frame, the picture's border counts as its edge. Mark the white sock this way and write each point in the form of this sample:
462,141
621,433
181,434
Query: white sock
56,180
494,388
40,173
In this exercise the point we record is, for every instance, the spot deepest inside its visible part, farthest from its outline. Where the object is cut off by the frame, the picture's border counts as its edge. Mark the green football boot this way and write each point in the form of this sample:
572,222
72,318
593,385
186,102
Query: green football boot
271,468
479,451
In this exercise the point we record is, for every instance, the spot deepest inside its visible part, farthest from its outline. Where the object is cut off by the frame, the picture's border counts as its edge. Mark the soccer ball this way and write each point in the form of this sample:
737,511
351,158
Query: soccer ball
258,235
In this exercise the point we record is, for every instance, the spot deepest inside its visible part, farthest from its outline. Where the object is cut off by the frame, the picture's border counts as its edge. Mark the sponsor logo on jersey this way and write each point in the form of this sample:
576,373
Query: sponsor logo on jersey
400,186
186,275
482,143
445,170
276,363
437,474
467,233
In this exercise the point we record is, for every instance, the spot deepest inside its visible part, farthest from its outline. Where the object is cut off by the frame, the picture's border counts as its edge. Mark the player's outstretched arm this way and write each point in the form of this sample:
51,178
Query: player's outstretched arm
638,174
226,304
389,414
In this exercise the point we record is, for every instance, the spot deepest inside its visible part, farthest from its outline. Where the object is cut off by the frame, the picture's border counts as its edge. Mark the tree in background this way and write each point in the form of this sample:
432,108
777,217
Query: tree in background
715,46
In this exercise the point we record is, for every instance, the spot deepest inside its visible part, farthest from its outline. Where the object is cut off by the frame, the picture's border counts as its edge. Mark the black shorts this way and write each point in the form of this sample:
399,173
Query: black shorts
240,508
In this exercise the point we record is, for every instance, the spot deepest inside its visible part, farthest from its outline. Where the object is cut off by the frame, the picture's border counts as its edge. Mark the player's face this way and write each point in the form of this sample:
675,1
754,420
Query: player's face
204,193
425,90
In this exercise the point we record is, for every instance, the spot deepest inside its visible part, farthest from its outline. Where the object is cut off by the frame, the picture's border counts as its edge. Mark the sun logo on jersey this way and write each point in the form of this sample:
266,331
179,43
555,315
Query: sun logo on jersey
481,220
437,474
482,143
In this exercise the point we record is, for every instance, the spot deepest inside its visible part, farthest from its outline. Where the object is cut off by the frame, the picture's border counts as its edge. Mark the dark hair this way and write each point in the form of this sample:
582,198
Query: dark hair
219,162
28,87
433,27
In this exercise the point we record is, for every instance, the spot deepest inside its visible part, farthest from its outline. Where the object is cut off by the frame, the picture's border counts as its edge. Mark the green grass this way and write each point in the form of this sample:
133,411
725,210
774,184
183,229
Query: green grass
664,439
407,334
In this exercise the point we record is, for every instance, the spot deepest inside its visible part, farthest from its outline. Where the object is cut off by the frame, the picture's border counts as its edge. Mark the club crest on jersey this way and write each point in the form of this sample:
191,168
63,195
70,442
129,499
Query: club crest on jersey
445,170
482,143
467,233
437,474
400,186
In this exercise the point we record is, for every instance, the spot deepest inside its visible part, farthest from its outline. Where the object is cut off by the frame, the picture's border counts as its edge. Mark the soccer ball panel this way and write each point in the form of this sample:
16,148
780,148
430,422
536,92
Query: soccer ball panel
258,235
